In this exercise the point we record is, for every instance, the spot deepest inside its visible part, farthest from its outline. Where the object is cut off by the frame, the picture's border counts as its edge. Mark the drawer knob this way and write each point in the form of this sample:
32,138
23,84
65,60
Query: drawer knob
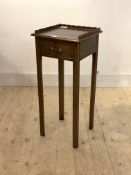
51,48
60,50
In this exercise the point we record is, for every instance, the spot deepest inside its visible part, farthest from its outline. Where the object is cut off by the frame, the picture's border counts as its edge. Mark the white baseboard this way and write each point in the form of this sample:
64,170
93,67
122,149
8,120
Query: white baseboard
52,80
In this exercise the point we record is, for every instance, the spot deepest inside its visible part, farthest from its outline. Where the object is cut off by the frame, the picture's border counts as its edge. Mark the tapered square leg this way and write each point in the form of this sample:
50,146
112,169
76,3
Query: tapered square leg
61,88
93,89
40,91
76,75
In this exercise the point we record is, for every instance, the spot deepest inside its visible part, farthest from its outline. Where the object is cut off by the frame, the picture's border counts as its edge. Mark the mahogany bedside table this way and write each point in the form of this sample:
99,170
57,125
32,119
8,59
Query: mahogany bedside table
72,43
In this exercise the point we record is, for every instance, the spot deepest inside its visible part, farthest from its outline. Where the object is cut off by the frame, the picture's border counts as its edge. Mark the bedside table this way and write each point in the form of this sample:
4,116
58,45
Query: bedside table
72,43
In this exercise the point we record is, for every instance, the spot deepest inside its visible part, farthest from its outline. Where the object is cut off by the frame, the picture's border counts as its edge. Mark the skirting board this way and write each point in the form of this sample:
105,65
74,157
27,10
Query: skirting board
52,80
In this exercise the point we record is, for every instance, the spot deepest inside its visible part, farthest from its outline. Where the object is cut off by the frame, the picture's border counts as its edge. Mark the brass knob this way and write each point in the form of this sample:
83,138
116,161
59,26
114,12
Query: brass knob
51,48
60,50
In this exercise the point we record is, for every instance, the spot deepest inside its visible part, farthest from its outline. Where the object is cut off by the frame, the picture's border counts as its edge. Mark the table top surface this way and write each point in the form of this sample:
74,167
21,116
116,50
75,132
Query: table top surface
66,32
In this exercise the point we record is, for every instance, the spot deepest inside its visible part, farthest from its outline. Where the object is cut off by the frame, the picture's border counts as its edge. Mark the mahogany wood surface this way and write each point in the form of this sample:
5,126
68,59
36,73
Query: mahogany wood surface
72,43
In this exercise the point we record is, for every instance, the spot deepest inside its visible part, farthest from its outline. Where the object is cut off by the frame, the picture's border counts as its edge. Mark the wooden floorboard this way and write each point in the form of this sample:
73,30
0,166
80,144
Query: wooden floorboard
105,150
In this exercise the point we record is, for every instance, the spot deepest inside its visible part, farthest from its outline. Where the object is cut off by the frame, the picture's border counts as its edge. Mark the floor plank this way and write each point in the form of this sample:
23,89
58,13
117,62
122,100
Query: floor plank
106,150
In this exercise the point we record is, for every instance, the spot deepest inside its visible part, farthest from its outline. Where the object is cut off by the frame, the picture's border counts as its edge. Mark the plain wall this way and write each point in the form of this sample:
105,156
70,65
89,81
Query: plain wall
19,18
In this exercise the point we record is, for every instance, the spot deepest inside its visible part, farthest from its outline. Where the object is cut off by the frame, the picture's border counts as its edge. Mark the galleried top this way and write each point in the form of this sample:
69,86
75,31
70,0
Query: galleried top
67,32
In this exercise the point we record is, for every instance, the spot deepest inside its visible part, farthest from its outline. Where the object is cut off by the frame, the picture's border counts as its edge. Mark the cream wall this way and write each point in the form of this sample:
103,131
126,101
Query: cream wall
19,18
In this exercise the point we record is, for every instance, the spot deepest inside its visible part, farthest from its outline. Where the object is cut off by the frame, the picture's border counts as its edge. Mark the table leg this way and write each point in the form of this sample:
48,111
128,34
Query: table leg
61,88
40,92
93,89
76,75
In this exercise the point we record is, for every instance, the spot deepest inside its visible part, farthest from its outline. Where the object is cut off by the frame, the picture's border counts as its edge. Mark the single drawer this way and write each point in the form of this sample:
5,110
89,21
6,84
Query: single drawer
57,49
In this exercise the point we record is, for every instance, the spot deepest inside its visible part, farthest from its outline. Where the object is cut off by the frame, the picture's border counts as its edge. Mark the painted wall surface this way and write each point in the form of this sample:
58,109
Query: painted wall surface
19,18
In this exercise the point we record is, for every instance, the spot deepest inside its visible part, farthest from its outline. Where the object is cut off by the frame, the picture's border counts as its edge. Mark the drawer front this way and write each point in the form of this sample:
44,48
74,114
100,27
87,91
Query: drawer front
57,49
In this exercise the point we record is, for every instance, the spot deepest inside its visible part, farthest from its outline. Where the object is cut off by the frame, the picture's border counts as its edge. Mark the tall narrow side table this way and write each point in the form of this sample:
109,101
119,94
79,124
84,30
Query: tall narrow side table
72,43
